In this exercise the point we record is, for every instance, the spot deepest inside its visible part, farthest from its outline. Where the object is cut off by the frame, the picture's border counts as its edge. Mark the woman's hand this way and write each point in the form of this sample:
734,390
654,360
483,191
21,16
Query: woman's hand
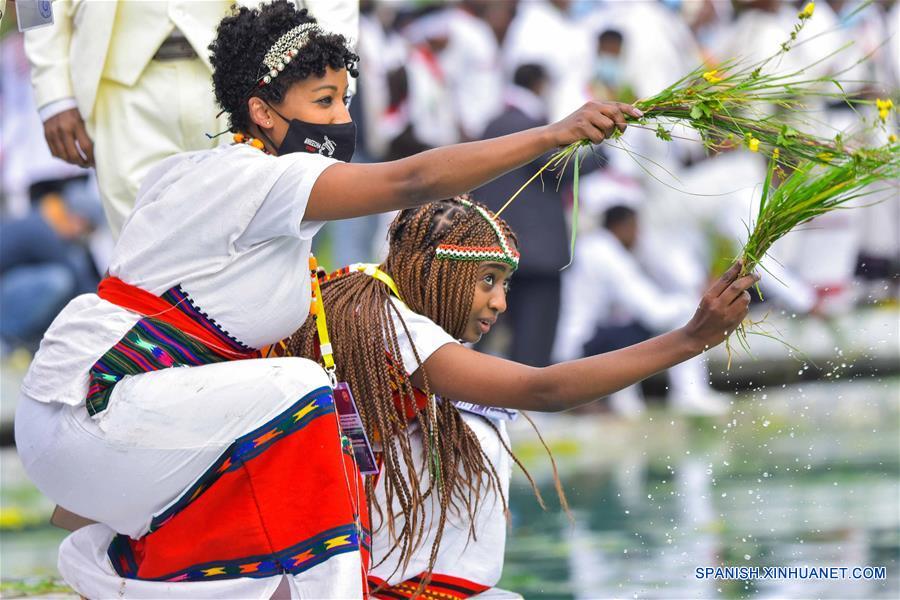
595,121
722,308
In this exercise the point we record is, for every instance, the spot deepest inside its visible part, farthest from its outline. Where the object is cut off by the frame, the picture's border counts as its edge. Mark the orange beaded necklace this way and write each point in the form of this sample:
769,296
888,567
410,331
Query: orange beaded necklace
240,138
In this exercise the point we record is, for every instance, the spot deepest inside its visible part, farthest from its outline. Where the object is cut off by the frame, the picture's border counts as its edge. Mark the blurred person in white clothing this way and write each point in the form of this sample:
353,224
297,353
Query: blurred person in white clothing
52,239
609,79
123,85
472,64
24,155
875,34
656,48
544,33
609,302
432,111
420,109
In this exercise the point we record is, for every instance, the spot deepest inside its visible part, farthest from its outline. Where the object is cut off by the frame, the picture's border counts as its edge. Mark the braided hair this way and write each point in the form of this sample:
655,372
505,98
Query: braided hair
364,337
242,40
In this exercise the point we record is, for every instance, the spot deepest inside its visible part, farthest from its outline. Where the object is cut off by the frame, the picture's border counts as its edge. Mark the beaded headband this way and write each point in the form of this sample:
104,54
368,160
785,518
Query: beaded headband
502,253
285,49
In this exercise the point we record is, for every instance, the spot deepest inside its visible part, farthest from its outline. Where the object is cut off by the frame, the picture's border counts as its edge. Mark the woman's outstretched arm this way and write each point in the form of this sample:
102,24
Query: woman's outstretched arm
347,190
460,373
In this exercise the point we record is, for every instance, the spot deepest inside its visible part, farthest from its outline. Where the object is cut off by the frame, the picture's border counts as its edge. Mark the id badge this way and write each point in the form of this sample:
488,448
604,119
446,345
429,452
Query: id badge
352,427
31,14
491,412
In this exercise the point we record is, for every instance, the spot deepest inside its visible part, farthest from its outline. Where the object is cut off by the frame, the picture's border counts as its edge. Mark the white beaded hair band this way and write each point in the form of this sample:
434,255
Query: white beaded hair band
285,49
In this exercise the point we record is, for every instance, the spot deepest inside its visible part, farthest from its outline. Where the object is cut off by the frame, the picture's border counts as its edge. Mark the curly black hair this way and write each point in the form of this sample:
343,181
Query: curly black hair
241,43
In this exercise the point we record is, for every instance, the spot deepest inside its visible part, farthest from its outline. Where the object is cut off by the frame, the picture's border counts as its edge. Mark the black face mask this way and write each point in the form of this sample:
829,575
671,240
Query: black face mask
333,141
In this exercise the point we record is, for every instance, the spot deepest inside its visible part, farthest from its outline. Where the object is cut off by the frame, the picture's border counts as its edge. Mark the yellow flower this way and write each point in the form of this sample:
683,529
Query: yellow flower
710,76
892,138
775,153
884,107
753,144
807,11
825,156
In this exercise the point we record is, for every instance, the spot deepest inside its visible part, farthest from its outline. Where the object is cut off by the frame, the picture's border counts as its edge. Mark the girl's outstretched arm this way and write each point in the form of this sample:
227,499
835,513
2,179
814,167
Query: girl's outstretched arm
347,190
460,373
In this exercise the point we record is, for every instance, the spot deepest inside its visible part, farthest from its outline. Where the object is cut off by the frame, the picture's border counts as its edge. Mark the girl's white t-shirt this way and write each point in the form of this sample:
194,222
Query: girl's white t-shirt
227,226
426,335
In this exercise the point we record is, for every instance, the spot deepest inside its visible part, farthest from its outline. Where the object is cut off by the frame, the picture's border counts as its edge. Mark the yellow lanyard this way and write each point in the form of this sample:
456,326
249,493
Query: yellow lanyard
372,270
317,309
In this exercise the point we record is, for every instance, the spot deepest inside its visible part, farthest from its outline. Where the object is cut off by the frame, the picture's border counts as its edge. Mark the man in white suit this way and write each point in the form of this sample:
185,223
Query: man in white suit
122,85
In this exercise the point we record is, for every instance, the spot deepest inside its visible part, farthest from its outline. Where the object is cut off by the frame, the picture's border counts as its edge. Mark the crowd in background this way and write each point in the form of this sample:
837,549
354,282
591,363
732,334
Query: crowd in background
656,218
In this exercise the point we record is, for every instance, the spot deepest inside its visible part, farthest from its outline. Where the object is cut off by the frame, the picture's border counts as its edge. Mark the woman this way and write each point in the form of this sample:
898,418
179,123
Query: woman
438,502
226,477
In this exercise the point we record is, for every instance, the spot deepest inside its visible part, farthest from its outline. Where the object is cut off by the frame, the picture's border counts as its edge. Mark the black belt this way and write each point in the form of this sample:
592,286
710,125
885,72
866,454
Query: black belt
175,47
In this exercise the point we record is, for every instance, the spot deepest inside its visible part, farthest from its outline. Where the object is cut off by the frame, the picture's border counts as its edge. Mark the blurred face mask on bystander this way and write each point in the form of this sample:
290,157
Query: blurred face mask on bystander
608,70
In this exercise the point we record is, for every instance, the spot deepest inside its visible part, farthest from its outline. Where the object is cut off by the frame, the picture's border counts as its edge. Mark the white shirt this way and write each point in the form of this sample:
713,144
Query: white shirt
606,286
426,335
224,224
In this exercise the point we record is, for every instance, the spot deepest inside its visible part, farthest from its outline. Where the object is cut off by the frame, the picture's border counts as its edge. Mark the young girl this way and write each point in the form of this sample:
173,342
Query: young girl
438,504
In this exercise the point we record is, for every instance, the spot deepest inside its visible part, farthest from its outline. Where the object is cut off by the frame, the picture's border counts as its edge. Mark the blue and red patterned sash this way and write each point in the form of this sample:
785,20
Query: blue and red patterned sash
172,333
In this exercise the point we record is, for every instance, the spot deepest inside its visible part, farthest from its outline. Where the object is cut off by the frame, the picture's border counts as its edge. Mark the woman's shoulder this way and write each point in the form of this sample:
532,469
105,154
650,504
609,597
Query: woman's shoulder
209,169
225,153
426,335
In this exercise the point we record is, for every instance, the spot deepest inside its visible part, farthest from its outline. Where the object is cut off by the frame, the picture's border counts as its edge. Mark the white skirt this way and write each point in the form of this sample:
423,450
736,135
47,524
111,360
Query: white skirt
480,560
160,433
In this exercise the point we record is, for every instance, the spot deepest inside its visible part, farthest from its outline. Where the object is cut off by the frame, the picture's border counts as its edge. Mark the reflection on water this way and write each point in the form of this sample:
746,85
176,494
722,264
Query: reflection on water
808,476
802,476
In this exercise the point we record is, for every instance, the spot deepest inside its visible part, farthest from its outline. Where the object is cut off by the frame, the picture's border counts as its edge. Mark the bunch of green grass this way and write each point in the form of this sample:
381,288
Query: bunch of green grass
736,103
810,191
731,106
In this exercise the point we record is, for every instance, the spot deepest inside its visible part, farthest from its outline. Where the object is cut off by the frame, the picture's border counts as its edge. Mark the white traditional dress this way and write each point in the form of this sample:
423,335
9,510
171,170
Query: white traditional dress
209,477
465,566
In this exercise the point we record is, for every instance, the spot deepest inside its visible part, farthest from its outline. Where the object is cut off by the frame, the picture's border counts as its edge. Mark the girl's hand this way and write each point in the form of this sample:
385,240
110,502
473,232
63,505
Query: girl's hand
722,308
595,121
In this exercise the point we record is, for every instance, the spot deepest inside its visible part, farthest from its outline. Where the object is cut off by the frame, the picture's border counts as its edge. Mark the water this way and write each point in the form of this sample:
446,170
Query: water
806,475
